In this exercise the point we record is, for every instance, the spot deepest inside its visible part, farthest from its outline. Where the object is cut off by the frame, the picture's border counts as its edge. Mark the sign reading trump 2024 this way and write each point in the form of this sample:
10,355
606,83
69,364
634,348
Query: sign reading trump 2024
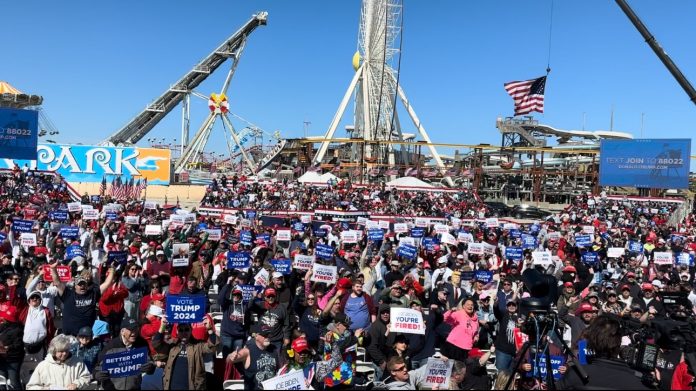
185,309
406,320
647,163
126,363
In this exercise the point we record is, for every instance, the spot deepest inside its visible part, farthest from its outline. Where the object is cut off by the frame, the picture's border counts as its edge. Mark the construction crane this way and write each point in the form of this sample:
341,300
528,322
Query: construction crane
655,46
139,126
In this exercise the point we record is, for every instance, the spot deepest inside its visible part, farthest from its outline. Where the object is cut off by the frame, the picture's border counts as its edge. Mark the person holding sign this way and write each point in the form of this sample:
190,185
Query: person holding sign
185,369
80,301
465,331
260,357
128,340
60,370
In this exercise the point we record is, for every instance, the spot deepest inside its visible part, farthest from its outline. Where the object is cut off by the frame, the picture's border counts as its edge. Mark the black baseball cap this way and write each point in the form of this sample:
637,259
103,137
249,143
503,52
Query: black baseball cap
343,319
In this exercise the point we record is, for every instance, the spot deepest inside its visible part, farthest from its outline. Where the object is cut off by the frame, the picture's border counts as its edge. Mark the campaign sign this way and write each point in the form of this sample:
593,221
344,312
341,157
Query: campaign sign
201,227
63,273
323,251
249,292
635,247
3,236
465,237
648,163
306,219
400,228
28,239
407,240
22,225
528,241
135,220
421,222
117,257
265,237
583,352
58,215
185,309
514,253
475,248
371,224
303,262
111,216
298,226
250,214
283,235
261,278
320,233
150,205
238,260
447,238
70,232
685,259
180,254
406,251
375,235
441,228
429,243
556,363
438,373
293,380
467,275
384,224
349,237
488,248
590,258
485,276
74,251
245,238
282,265
588,229
406,320
492,222
417,232
324,273
662,258
583,240
615,252
515,233
214,234
153,229
229,219
124,364
74,207
541,258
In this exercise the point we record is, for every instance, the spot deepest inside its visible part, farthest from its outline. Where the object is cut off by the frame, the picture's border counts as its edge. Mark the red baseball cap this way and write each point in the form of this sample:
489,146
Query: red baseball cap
570,269
344,283
568,284
300,345
475,353
158,297
625,287
630,274
584,307
647,287
270,292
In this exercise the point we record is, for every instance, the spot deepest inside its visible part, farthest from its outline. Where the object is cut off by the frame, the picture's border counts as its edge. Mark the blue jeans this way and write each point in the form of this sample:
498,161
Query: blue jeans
230,344
11,372
503,361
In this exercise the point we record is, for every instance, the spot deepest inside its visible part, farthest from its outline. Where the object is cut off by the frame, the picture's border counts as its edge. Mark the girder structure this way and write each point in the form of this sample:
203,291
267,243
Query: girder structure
143,123
376,88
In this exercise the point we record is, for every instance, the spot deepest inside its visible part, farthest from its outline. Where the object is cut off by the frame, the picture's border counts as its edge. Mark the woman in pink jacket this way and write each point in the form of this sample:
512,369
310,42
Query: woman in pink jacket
464,334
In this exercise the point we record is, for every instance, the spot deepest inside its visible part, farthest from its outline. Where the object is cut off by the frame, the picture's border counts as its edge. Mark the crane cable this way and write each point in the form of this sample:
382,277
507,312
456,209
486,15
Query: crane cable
548,58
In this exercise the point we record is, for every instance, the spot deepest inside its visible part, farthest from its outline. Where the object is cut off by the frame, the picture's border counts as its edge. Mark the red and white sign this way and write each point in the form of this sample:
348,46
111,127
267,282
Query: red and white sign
400,228
283,235
492,222
153,230
228,219
588,229
349,237
475,248
135,220
74,207
90,214
384,224
441,228
28,239
324,273
660,258
421,222
63,273
303,262
406,320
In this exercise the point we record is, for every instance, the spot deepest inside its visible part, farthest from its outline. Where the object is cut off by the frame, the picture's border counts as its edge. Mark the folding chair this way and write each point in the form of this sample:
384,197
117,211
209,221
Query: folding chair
233,385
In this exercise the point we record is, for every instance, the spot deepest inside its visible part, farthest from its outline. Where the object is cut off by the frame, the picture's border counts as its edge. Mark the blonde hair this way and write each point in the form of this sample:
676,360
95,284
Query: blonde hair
502,379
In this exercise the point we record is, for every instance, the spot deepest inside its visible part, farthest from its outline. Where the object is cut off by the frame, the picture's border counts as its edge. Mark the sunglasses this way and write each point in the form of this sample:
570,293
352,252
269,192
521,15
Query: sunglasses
311,298
400,369
506,283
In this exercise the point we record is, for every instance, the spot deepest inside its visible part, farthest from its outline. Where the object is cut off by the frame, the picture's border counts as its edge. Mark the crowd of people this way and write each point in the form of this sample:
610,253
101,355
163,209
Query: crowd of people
103,293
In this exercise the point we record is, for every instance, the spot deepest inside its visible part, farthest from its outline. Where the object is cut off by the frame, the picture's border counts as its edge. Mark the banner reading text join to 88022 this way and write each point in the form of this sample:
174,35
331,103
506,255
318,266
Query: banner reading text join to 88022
646,163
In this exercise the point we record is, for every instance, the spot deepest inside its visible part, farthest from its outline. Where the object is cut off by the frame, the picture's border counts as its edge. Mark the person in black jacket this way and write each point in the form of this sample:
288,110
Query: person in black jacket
604,369
235,319
380,340
128,339
11,345
505,337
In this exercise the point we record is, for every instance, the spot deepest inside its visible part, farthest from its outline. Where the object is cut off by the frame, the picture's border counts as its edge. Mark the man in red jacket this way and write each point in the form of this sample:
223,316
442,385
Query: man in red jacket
111,306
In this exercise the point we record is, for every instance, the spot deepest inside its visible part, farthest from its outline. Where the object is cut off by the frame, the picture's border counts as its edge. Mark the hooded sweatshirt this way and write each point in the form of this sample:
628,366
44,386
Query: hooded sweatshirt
51,374
234,314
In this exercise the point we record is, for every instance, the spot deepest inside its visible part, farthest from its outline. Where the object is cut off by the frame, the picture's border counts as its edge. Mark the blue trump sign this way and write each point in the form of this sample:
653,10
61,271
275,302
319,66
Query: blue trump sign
298,227
590,258
513,253
515,233
685,259
556,363
249,291
18,133
238,260
250,214
245,238
375,235
647,163
117,257
266,238
406,251
583,240
3,236
485,276
323,251
417,232
58,215
528,241
22,225
74,251
282,265
70,232
111,216
320,233
635,247
185,309
126,363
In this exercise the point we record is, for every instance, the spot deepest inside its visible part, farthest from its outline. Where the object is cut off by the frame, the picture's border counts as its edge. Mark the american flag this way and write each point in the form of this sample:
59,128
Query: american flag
392,171
337,168
102,187
113,187
411,171
528,95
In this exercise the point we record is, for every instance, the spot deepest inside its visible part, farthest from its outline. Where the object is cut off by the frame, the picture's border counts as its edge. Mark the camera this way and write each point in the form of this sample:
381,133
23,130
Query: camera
536,309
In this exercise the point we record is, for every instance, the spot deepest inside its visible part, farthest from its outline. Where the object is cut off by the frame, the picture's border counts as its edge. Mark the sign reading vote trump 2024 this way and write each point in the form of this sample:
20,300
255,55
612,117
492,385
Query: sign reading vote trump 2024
293,380
126,363
437,373
185,309
406,320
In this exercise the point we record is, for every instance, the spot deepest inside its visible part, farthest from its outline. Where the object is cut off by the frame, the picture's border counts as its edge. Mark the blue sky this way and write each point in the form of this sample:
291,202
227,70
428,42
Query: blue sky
97,64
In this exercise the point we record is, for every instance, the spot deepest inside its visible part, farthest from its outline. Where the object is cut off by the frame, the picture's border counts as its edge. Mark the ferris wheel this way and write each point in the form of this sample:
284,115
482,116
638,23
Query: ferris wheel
375,88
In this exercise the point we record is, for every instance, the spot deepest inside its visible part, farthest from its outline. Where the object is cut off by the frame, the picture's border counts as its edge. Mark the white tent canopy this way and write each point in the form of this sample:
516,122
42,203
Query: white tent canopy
408,181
